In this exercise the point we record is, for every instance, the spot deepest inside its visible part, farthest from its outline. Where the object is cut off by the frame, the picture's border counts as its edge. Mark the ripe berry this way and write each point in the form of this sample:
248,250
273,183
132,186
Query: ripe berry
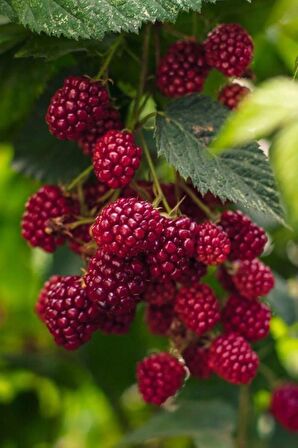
229,49
196,358
76,107
195,271
253,279
159,377
198,308
110,120
249,318
160,293
213,245
170,259
68,313
116,157
284,406
233,359
111,324
247,239
127,227
41,304
47,204
159,318
115,284
183,69
232,94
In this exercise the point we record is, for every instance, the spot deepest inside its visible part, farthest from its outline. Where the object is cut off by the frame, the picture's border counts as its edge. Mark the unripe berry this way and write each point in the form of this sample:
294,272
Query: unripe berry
159,377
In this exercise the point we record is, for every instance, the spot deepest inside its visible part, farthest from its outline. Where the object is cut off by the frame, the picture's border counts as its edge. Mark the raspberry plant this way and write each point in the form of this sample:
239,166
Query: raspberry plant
164,223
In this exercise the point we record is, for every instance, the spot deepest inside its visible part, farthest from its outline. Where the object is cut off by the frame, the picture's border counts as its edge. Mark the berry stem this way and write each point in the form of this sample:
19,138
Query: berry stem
243,417
154,174
171,30
109,57
268,375
80,222
197,201
80,178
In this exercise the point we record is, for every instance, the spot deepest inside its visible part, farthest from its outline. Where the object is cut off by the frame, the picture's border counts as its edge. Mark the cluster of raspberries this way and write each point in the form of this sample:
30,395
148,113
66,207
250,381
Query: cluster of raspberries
187,63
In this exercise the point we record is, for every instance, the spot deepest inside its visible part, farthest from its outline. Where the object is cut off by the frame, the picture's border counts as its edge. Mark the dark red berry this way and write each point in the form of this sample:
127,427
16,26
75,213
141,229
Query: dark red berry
183,69
76,107
159,377
159,318
198,308
247,239
253,279
249,318
232,358
213,244
284,406
196,358
229,49
41,304
170,258
111,324
45,206
232,94
68,313
115,284
127,227
116,157
160,293
195,271
110,120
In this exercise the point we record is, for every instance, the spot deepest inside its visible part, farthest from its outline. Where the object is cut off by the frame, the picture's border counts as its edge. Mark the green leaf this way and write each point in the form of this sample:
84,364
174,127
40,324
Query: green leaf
205,422
10,36
242,175
40,155
273,104
285,160
88,19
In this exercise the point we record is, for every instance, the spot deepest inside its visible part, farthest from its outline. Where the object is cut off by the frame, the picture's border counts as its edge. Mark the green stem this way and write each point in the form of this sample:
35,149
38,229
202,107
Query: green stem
109,57
269,375
80,222
171,30
80,178
154,174
197,201
243,417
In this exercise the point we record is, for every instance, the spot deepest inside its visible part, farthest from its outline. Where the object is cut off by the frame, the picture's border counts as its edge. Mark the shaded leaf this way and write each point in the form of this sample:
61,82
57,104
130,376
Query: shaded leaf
282,303
242,175
10,36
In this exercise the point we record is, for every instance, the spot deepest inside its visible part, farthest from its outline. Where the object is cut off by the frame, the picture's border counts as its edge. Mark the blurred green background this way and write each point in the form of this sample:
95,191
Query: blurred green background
88,399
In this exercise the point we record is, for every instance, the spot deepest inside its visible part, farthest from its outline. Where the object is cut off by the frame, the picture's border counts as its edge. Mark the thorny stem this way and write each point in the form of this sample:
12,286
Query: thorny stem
243,417
109,57
197,201
80,178
154,175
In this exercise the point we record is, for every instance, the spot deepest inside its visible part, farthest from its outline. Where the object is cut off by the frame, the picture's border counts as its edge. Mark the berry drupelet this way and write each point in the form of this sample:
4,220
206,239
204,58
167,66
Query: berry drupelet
116,157
76,107
213,244
183,69
159,377
232,94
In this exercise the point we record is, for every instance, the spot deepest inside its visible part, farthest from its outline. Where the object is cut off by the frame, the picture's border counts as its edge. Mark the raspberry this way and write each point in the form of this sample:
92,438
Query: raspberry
198,308
159,377
233,359
225,279
160,293
229,49
284,405
196,359
109,120
115,284
159,318
232,94
127,227
251,319
76,107
183,69
253,279
68,313
115,324
247,239
41,304
170,259
213,245
195,271
116,157
47,204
